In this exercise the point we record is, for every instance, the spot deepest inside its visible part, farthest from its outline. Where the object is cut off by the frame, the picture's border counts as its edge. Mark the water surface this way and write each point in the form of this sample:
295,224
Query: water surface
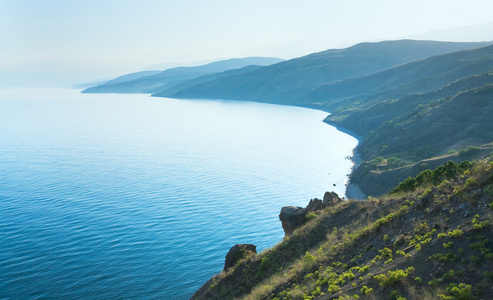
127,196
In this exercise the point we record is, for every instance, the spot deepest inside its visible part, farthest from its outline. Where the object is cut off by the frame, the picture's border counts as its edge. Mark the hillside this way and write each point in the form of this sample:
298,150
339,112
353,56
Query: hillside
147,84
431,108
280,82
166,89
411,78
429,240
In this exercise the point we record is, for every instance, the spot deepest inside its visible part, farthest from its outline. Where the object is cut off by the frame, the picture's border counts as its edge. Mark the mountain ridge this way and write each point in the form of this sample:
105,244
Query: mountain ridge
274,83
146,84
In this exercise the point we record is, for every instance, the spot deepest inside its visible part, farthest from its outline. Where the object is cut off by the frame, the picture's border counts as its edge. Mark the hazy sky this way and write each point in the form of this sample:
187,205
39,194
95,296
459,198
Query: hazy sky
71,41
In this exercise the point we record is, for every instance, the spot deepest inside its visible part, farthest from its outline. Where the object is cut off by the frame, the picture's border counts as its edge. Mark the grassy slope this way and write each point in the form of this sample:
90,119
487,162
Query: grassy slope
435,240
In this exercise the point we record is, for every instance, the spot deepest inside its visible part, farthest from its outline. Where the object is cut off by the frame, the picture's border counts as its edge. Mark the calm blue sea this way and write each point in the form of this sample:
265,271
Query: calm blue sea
106,196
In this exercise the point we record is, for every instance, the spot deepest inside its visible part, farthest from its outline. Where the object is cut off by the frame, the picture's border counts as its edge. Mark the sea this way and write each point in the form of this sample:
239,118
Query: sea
127,196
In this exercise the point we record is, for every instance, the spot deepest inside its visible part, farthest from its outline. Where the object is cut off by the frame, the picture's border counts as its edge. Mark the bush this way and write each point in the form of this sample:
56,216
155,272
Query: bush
366,290
392,277
457,233
448,170
448,245
471,183
461,292
394,161
311,216
469,151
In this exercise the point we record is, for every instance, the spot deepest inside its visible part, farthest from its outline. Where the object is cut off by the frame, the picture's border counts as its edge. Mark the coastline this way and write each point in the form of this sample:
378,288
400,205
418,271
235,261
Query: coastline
353,191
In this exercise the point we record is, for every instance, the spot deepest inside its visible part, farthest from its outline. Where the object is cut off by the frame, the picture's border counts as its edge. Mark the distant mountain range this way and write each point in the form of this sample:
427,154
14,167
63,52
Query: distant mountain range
148,81
284,82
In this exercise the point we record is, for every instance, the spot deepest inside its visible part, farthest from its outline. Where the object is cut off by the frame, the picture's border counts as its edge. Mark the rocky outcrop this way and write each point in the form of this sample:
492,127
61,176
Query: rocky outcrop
330,198
237,253
293,217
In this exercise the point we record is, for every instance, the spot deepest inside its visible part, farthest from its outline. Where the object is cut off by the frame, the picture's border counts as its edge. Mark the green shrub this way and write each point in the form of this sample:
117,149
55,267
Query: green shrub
443,257
471,183
386,252
366,290
457,233
333,288
433,283
394,295
309,259
470,150
448,170
461,291
448,245
311,216
392,277
394,161
479,225
475,259
448,275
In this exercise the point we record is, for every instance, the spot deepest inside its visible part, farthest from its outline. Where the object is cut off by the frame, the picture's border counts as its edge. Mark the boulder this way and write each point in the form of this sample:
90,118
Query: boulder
314,205
291,218
237,253
330,198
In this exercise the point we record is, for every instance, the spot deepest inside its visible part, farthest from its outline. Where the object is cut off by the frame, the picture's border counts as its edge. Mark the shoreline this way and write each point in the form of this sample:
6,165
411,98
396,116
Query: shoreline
353,191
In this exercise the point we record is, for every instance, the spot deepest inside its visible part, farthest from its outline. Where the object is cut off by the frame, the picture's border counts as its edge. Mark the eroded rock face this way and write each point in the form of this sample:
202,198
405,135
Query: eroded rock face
314,205
330,198
291,218
238,252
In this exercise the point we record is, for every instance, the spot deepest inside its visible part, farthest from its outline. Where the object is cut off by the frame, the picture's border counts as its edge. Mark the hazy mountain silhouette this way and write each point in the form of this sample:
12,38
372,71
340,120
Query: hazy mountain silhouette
280,82
146,84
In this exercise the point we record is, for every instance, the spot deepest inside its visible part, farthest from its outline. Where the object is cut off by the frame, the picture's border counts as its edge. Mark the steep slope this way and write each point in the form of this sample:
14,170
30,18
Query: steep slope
435,128
280,81
436,119
415,112
411,78
147,84
432,243
364,118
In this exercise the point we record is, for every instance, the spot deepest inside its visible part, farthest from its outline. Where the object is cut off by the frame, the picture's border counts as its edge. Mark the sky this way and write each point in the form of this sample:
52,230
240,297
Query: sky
66,42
